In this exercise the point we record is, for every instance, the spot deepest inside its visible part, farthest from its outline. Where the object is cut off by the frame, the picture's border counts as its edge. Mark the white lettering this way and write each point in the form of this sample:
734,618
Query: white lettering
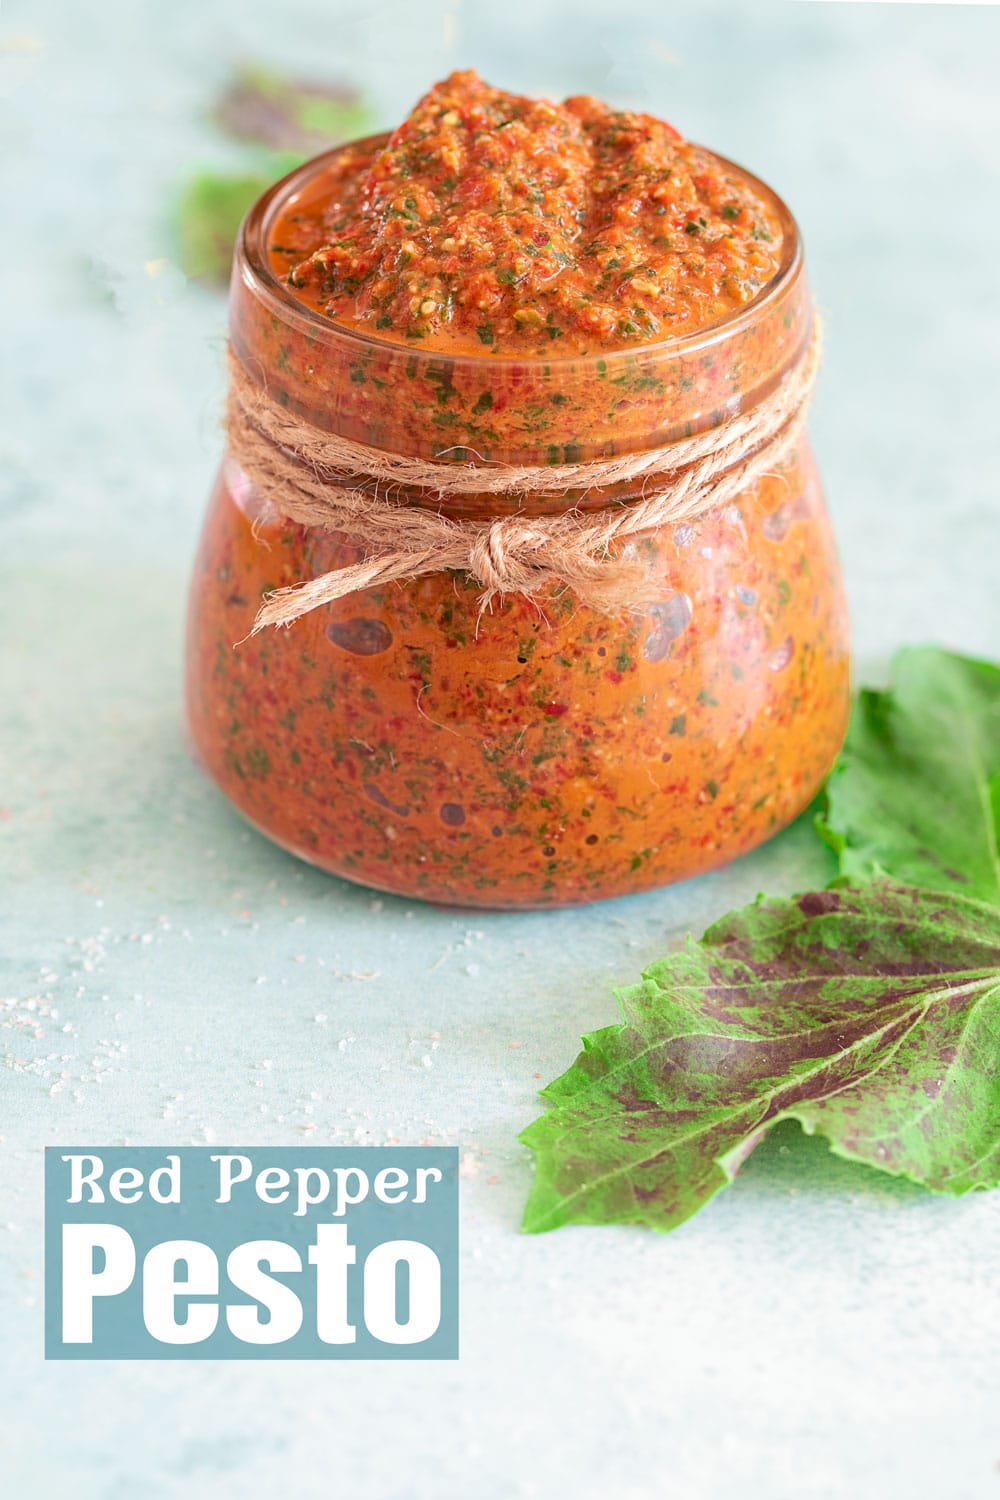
161,1288
171,1175
244,1270
331,1255
393,1191
272,1185
125,1185
232,1169
424,1270
424,1175
80,1179
81,1283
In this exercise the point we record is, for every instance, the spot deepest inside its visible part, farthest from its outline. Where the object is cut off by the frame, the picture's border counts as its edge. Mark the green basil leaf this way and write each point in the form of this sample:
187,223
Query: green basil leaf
211,211
915,794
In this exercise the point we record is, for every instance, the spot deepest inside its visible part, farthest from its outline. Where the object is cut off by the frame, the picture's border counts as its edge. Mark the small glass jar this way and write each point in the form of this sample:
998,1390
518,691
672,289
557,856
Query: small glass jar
546,753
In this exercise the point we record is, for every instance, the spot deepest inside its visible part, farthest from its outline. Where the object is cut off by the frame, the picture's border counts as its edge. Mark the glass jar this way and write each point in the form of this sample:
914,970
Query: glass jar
545,753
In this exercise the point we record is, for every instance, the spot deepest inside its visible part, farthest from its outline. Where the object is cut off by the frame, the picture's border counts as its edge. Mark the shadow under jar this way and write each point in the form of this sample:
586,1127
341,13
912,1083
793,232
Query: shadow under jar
545,753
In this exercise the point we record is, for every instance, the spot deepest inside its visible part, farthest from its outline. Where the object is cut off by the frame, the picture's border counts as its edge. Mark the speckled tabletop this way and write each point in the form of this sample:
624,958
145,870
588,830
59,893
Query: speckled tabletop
170,978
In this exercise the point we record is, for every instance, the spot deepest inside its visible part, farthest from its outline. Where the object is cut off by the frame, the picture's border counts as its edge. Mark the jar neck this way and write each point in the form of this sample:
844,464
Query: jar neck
429,404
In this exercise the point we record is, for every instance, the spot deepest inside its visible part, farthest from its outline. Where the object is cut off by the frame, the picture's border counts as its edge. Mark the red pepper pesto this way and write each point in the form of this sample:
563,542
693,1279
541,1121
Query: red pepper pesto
491,220
547,754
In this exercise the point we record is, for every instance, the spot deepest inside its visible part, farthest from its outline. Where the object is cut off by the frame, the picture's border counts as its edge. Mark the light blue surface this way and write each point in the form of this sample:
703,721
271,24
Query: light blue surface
170,978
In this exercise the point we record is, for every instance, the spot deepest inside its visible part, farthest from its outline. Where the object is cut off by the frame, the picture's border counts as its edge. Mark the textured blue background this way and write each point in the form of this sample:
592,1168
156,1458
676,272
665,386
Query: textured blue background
170,978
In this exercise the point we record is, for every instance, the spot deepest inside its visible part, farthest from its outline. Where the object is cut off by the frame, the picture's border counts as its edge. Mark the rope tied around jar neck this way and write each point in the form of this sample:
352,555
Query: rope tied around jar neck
312,477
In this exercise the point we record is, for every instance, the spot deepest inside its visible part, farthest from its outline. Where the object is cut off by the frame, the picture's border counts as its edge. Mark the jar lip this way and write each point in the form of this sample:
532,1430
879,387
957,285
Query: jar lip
251,262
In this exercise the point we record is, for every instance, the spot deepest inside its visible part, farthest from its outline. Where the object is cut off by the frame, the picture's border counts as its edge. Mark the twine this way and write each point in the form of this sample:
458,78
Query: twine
312,477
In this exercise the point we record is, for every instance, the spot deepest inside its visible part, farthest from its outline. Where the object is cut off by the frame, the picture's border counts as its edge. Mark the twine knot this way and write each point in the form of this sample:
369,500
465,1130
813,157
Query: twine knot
507,557
488,558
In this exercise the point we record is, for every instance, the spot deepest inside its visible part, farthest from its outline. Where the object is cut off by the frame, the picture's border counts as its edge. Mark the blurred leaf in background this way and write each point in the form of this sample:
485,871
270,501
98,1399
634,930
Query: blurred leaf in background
211,210
281,121
288,114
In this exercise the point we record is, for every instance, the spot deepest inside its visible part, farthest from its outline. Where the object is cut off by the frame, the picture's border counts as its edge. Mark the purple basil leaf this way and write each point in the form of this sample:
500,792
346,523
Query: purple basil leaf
871,1015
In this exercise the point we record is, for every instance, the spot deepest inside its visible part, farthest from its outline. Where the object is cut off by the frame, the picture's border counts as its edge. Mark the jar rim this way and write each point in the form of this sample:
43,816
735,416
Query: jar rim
251,262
